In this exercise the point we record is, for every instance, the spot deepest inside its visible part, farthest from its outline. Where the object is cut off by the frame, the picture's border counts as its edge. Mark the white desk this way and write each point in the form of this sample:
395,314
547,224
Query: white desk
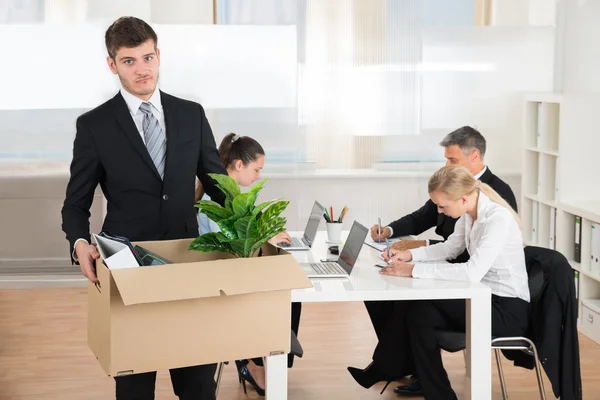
366,283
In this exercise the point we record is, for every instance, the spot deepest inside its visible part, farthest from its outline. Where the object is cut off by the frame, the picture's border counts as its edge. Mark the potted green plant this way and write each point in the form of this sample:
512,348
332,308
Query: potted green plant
245,227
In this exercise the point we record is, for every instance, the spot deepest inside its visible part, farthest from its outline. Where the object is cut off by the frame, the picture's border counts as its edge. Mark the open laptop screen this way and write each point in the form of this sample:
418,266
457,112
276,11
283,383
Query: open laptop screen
313,222
352,247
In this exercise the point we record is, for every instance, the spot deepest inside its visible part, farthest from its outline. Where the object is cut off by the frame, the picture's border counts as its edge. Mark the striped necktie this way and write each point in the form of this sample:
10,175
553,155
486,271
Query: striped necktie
154,136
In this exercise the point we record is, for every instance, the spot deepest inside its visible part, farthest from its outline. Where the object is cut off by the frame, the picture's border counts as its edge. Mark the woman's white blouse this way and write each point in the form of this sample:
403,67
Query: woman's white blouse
495,245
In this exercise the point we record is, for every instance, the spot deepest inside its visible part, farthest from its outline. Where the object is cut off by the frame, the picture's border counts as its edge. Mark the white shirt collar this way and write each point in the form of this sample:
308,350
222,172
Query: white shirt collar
479,174
483,202
134,103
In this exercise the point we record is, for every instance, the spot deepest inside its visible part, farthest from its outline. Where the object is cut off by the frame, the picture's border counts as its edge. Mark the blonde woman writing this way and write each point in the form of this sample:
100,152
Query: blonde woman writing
489,230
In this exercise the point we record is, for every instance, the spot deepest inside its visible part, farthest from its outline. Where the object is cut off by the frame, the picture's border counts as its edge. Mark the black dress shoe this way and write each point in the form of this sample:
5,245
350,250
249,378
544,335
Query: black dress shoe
369,376
411,389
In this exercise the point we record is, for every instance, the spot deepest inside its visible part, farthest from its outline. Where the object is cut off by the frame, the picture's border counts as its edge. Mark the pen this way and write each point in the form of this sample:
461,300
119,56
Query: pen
379,226
387,244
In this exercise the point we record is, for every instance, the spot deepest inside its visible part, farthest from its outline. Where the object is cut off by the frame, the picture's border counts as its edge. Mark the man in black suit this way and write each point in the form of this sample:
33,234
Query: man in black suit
464,146
145,148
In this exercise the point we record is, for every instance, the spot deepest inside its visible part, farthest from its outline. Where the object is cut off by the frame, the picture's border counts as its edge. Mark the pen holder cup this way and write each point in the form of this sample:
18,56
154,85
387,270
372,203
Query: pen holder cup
334,232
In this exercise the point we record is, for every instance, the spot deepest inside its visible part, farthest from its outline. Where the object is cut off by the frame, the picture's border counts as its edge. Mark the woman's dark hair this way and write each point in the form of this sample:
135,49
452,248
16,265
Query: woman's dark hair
235,147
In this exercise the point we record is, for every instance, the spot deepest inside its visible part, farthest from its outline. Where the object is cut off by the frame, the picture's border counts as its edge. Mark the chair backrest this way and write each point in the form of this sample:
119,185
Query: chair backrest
537,270
541,264
553,319
548,270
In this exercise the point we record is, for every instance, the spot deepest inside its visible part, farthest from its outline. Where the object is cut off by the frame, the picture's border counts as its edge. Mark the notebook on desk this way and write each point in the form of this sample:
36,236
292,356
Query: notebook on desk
343,266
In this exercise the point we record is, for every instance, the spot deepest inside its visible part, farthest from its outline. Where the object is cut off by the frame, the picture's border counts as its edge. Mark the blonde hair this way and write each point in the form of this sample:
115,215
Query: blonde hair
456,181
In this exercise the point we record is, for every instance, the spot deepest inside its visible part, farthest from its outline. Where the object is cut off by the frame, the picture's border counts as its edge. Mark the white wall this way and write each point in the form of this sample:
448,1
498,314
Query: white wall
31,239
578,66
523,12
581,48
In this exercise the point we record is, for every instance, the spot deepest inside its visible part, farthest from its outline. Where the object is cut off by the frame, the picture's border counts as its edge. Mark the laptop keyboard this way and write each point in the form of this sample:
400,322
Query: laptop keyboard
328,268
297,242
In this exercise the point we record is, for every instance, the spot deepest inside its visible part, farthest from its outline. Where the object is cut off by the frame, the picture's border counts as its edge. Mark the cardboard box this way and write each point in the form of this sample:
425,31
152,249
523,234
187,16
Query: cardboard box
204,308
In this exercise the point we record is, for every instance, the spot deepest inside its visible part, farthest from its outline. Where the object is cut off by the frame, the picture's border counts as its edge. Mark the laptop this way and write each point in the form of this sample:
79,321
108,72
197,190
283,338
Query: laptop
345,263
310,232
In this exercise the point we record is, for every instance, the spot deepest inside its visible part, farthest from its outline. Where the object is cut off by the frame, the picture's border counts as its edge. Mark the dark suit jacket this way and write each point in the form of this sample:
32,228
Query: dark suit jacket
108,150
427,216
553,323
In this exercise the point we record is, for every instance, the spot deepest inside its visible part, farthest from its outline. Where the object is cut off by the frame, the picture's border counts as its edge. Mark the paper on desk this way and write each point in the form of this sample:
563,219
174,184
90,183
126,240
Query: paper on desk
379,245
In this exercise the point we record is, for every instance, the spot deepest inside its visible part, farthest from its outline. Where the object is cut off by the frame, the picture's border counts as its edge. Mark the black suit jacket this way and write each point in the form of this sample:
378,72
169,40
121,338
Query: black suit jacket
553,323
108,150
427,216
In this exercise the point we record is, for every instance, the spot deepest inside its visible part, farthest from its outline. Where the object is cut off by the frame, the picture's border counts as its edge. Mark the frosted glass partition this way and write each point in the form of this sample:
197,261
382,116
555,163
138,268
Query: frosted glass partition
471,75
226,66
63,66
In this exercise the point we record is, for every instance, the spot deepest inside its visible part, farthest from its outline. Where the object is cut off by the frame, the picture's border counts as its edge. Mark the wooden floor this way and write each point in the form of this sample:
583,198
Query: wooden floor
44,355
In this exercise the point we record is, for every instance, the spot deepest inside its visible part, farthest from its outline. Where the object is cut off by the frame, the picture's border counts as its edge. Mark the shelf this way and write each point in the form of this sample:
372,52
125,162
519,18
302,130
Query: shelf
544,97
557,130
591,275
592,304
543,151
588,209
535,197
575,265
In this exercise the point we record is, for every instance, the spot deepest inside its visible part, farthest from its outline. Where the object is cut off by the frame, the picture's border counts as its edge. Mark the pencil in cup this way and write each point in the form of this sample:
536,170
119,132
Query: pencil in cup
342,214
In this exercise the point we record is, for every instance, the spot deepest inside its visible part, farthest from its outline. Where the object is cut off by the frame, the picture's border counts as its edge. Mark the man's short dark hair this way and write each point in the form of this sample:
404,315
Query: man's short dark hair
128,32
467,138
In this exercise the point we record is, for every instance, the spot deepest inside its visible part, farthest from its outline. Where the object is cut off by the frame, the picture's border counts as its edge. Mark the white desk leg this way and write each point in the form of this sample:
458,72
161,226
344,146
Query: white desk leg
479,335
276,377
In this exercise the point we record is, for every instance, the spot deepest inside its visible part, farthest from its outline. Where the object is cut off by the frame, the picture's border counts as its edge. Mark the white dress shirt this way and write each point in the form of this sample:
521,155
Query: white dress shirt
133,104
495,246
205,224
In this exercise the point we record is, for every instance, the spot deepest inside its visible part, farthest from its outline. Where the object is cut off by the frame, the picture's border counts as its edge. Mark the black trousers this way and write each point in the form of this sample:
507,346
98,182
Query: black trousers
393,355
380,313
296,312
413,328
189,383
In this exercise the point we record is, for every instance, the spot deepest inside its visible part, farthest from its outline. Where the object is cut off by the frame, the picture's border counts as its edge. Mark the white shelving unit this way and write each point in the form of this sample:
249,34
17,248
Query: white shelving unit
560,160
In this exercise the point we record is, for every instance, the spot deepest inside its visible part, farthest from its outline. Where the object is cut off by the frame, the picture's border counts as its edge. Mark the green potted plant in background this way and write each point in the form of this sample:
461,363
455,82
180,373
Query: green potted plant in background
245,227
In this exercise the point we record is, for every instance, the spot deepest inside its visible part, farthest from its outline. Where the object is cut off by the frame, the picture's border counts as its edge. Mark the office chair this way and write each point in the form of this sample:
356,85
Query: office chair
453,341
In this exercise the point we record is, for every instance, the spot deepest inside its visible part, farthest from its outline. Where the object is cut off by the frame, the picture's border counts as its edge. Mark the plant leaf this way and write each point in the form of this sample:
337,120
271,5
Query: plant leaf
258,187
244,226
227,185
213,210
261,206
267,236
273,211
221,237
242,246
241,226
242,204
227,227
252,228
266,229
266,226
210,242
